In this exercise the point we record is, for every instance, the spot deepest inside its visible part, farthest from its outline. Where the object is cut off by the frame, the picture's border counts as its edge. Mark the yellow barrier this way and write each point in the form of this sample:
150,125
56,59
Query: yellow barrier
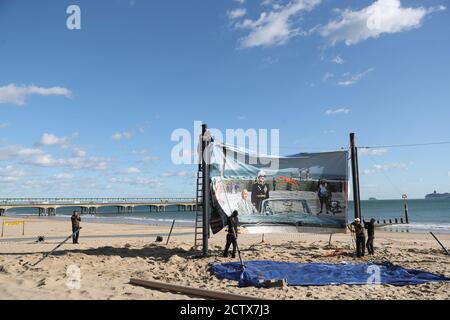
13,223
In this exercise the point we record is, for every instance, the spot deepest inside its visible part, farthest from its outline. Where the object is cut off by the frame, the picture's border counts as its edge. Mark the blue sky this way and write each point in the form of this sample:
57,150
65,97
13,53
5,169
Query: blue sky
90,112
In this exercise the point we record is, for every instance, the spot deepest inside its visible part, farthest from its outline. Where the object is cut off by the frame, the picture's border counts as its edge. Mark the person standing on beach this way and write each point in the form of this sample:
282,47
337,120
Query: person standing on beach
274,184
360,238
233,222
370,226
75,226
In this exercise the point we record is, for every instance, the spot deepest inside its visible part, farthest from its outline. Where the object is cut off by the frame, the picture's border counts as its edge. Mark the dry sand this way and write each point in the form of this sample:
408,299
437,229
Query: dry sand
108,256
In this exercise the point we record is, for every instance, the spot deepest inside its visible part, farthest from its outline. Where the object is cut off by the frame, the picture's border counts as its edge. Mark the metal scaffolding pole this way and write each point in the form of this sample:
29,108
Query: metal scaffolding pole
205,190
355,176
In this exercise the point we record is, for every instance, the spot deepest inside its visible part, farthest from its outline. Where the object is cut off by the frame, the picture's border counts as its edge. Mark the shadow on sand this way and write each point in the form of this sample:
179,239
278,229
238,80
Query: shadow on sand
156,252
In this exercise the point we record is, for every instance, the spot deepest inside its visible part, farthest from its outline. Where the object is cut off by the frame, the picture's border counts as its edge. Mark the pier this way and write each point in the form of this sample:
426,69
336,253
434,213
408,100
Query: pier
48,206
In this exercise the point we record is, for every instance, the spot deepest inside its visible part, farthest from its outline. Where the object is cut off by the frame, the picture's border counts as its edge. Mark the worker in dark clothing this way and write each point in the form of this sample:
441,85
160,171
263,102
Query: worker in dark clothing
260,190
370,226
232,234
360,238
75,226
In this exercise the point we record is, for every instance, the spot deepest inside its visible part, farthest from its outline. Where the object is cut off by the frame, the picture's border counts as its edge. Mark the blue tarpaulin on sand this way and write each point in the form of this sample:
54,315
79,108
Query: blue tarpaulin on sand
318,274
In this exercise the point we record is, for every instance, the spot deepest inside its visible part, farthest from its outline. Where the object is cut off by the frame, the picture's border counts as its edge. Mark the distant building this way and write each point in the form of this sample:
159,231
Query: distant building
372,199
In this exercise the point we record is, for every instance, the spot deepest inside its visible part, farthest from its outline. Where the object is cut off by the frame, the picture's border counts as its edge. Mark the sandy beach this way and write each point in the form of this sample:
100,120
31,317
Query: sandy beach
110,254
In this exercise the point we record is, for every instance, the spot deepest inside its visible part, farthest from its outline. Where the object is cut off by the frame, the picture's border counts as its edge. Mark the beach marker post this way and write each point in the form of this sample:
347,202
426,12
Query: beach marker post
404,196
3,227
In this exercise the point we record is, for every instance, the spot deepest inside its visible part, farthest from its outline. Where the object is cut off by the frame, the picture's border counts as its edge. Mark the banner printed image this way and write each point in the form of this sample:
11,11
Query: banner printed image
306,193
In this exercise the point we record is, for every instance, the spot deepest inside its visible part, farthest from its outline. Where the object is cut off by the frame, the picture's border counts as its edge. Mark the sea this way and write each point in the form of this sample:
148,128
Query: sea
424,215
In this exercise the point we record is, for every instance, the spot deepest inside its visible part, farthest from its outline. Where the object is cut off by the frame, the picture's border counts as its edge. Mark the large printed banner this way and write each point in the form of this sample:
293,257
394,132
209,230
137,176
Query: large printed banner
298,193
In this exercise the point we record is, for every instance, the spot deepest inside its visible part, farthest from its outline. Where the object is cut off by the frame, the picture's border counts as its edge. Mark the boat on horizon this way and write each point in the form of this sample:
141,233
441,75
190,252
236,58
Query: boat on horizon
436,195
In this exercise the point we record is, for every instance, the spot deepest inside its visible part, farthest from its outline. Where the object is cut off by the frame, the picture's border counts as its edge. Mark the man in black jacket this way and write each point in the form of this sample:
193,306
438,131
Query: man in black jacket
370,226
233,222
75,226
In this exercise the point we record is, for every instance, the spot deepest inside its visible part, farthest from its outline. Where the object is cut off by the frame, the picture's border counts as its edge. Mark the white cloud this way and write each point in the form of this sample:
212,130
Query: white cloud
63,176
239,1
10,171
275,27
48,161
17,152
49,139
376,168
350,79
178,174
17,94
338,60
331,112
139,151
137,181
78,153
141,129
150,158
327,76
122,135
4,180
372,152
125,135
3,125
236,13
382,16
270,60
132,170
9,174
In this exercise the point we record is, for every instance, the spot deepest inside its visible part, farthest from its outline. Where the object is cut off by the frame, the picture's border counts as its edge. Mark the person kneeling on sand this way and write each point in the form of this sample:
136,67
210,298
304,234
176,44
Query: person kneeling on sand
233,222
75,226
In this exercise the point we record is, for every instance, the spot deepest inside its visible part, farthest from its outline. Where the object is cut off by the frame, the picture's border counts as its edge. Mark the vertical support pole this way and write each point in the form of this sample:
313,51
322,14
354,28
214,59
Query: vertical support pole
205,192
3,227
170,233
445,249
355,176
23,228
